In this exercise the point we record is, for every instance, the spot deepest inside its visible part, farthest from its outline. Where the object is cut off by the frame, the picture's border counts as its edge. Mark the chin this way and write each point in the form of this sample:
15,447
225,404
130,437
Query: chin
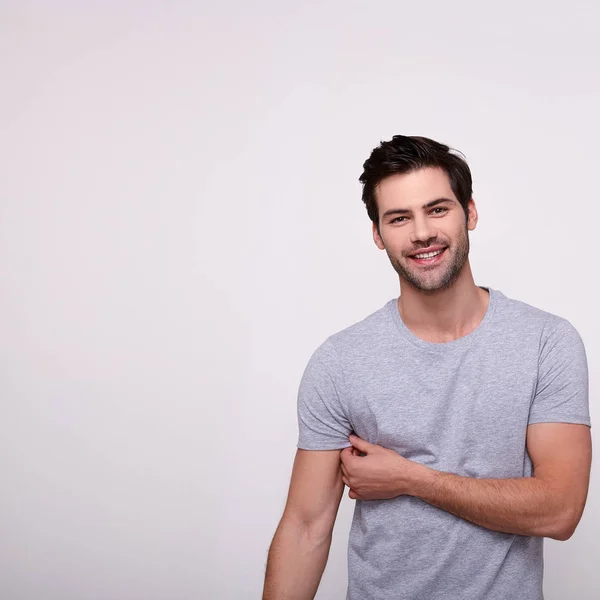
432,287
441,282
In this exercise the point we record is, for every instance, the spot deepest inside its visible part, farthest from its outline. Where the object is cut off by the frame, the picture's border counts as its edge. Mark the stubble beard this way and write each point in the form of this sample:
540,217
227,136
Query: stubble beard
445,275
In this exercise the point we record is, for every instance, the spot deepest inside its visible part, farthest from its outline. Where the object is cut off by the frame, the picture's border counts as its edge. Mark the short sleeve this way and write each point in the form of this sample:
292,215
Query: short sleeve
322,420
562,391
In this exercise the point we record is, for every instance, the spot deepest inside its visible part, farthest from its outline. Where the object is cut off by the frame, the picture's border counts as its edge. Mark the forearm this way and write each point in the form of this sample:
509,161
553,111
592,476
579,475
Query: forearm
295,563
524,506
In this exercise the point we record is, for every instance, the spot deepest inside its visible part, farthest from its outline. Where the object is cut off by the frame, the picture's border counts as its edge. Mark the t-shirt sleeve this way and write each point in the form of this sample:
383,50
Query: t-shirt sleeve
562,391
322,420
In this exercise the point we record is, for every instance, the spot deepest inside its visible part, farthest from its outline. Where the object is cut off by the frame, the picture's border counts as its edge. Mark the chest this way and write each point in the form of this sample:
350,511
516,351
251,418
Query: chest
465,413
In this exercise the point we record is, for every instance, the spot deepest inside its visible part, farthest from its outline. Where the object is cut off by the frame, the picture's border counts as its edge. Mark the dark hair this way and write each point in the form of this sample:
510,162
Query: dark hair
404,154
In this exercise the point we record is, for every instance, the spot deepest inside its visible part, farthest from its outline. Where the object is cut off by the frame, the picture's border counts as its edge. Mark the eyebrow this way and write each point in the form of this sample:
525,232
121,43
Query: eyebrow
404,211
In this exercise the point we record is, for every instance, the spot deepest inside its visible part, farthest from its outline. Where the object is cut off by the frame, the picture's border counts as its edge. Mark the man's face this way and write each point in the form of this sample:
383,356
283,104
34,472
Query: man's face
418,212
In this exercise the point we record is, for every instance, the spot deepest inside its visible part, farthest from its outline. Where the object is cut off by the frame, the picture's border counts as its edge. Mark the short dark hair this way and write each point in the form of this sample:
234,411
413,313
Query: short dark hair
404,154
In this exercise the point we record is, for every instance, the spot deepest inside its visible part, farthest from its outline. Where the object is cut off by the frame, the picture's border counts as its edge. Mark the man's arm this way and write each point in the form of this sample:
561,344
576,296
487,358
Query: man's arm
300,547
549,504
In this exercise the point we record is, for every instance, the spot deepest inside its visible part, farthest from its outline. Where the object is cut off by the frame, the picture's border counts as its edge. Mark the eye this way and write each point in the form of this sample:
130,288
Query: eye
396,219
439,208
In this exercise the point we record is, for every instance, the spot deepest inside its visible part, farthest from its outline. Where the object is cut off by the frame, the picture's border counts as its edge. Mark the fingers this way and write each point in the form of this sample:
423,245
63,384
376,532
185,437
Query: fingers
362,445
345,476
346,453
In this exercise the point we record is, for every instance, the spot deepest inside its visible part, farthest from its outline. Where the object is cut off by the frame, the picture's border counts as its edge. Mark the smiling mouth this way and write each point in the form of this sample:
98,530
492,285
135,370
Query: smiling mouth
428,258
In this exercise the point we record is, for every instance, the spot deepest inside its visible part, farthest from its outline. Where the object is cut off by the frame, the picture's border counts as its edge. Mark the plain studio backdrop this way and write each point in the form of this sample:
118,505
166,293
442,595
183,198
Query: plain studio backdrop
181,226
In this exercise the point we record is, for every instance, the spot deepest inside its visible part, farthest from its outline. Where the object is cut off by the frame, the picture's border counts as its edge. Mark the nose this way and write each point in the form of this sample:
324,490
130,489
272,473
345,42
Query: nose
423,229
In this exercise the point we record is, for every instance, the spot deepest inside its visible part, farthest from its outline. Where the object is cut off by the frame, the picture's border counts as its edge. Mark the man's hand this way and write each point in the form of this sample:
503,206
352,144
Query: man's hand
380,475
549,504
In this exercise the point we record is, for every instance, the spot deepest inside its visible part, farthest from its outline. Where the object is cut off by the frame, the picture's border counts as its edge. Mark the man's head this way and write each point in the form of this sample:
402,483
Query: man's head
418,196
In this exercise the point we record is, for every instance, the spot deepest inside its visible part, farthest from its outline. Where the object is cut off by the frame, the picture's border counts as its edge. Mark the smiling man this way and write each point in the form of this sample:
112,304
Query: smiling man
457,417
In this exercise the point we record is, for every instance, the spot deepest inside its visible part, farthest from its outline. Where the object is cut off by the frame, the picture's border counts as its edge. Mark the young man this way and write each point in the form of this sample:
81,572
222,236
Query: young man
458,417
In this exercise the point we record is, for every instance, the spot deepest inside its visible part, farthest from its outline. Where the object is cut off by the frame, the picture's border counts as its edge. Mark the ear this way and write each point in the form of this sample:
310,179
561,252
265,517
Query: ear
473,217
377,238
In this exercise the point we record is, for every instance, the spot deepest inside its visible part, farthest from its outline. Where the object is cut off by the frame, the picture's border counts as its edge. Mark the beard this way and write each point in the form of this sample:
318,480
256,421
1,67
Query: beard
437,277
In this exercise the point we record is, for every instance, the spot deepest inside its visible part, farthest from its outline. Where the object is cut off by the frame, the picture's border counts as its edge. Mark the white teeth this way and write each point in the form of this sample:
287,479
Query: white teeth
429,254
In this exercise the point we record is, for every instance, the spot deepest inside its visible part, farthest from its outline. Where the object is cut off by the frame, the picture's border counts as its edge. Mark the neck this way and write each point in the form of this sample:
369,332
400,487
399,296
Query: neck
444,315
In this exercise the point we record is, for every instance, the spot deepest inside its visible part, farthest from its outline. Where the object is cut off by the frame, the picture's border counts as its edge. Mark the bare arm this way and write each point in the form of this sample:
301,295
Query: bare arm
300,547
549,504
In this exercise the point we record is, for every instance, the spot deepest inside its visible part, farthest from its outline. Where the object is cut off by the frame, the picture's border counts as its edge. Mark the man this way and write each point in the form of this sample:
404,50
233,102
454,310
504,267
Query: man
458,417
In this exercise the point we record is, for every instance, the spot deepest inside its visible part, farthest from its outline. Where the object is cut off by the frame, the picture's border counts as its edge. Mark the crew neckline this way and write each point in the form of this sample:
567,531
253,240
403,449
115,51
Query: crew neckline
461,342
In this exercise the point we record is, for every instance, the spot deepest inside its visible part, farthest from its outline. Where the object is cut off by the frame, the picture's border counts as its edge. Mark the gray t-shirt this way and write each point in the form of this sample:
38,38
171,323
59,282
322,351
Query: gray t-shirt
461,407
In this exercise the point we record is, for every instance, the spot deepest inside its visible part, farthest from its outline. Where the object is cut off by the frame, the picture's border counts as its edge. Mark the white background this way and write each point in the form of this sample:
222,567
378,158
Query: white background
181,227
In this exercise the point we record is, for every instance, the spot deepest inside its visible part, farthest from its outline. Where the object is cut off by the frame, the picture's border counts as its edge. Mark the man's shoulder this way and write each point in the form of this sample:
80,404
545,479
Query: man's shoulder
359,337
366,331
525,316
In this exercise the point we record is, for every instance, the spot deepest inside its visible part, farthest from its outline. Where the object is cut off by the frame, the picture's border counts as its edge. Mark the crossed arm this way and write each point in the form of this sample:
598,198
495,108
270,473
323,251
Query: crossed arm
549,504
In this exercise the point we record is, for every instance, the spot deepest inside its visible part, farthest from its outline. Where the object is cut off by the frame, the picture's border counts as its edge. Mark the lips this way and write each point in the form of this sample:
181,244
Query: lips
429,261
427,250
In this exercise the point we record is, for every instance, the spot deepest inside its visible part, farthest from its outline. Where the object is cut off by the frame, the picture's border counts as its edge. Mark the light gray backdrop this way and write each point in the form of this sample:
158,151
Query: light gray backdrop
181,226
